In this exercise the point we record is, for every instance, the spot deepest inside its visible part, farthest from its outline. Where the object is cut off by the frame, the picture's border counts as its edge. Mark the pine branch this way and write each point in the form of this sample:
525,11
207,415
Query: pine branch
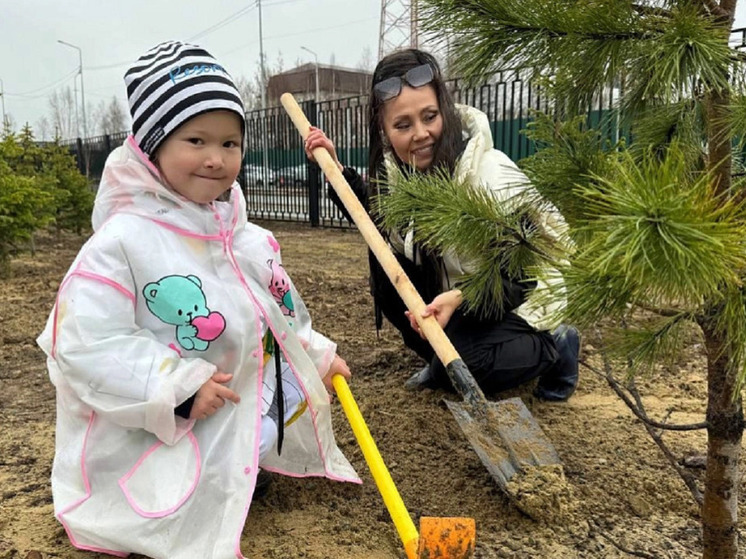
652,11
586,45
665,312
495,240
658,225
568,154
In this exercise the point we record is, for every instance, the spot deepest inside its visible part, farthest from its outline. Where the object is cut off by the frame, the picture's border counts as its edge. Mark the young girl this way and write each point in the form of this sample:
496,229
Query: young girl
414,126
182,355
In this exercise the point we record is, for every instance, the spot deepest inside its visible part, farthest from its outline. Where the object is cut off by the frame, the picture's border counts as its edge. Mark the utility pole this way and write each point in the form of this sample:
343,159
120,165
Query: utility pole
77,114
318,99
82,87
261,57
2,97
265,162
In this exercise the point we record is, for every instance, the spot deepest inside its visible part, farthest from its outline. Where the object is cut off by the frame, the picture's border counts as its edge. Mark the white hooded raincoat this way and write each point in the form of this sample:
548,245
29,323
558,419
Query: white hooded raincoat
483,165
165,293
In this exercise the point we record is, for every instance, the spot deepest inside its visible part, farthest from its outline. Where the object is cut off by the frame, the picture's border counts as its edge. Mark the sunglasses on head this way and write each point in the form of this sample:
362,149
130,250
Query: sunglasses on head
415,77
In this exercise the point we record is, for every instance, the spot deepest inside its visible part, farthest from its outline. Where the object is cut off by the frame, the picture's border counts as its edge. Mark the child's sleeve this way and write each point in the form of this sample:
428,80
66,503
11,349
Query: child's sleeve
118,369
319,348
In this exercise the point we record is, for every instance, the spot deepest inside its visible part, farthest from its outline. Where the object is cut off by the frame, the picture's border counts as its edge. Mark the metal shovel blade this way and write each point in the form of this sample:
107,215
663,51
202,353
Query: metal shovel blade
505,436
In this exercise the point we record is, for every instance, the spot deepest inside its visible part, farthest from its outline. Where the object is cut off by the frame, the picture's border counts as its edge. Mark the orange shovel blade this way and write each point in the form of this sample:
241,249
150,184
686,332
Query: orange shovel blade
446,538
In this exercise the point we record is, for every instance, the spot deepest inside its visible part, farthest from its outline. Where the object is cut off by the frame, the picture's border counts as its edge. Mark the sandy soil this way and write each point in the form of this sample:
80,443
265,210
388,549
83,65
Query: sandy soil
623,494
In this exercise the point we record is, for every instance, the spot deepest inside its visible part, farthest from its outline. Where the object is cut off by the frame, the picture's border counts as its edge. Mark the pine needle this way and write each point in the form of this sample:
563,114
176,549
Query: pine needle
495,240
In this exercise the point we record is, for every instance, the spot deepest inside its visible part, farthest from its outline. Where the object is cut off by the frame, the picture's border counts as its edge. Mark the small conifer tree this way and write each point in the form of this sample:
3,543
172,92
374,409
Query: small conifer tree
657,221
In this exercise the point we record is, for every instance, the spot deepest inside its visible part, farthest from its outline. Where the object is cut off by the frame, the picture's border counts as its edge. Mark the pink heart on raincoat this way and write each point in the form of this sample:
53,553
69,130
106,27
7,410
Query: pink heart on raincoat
209,327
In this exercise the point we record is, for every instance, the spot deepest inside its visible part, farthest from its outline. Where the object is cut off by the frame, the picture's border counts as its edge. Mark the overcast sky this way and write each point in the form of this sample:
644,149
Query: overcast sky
112,34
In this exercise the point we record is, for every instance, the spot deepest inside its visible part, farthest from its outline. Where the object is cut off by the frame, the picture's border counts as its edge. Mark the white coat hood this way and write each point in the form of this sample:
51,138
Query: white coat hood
132,184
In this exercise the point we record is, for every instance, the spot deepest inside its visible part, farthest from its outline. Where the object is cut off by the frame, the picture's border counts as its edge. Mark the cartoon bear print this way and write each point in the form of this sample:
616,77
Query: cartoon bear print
179,300
279,287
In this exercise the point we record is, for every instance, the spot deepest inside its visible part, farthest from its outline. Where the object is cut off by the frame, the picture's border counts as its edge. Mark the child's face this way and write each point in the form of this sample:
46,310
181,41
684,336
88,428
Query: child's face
202,157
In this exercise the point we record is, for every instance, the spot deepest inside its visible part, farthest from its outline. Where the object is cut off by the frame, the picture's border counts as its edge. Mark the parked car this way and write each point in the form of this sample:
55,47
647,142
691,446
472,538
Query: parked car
259,176
293,175
362,171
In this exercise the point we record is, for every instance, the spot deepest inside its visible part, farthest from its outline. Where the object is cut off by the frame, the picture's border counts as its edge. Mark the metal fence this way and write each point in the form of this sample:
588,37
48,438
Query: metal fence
279,182
91,153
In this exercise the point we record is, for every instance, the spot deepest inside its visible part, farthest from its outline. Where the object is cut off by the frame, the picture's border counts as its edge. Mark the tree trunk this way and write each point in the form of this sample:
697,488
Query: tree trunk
724,434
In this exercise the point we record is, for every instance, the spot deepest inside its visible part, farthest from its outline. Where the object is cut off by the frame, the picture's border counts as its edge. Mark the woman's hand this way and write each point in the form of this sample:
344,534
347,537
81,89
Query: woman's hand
212,395
441,308
317,139
338,366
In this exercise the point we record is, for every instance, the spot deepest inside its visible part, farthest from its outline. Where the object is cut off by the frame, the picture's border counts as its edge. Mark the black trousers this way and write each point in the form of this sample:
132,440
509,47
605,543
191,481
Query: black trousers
499,354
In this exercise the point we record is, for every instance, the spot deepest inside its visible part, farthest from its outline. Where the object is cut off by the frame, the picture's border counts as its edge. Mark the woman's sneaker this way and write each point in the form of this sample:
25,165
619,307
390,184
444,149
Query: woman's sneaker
560,381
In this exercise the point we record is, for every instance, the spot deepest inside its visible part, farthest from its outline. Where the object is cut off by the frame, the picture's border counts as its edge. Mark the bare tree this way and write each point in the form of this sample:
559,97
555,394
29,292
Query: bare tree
114,118
64,113
250,89
44,129
250,94
279,65
365,64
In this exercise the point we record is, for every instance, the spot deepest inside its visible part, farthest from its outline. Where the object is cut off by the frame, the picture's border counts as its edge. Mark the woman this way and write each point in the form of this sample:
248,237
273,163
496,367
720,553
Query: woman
416,127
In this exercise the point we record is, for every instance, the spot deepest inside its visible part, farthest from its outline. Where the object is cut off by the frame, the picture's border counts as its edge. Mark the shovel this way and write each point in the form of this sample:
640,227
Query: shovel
451,538
504,434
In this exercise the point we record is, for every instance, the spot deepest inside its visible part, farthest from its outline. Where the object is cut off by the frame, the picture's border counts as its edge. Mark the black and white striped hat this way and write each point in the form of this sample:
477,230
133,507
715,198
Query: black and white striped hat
172,83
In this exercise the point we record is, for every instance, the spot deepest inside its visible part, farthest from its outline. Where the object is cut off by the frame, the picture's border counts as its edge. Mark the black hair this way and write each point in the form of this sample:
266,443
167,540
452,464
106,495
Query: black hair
450,145
446,152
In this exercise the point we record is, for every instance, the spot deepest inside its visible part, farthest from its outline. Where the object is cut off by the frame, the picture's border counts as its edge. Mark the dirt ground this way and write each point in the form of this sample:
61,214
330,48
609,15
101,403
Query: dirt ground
626,500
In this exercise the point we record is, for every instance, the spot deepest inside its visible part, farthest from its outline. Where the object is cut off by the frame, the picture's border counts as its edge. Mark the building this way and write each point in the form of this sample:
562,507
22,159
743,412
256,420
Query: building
334,82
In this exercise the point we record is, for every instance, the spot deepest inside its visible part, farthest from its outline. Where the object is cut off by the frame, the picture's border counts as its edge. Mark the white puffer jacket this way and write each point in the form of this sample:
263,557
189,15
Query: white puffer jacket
481,164
165,293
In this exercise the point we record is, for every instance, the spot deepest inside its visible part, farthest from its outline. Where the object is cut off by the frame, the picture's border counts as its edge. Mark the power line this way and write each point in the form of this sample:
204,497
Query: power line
299,33
206,31
322,28
223,22
108,66
29,94
281,2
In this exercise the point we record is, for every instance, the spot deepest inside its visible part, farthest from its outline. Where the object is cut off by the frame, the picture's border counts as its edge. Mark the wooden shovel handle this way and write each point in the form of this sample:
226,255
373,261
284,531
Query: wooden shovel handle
430,328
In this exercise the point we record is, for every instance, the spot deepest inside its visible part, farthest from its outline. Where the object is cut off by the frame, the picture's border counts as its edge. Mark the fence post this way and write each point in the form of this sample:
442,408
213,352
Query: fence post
79,150
314,174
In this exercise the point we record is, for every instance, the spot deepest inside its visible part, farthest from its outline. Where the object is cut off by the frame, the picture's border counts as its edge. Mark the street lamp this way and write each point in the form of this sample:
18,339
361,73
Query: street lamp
82,90
317,71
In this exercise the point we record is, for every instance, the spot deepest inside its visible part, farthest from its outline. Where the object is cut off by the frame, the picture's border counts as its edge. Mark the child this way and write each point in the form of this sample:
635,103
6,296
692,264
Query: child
182,355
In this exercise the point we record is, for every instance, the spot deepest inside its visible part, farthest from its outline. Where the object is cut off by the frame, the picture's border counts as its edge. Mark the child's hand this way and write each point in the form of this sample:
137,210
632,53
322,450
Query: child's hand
442,308
212,395
317,139
338,365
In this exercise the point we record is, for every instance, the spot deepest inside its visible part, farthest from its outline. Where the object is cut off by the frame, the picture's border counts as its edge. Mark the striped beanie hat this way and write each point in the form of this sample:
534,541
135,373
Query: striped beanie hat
172,83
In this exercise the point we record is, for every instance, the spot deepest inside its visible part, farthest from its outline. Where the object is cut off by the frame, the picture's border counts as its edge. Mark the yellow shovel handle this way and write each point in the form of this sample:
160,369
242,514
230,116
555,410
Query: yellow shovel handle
391,498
